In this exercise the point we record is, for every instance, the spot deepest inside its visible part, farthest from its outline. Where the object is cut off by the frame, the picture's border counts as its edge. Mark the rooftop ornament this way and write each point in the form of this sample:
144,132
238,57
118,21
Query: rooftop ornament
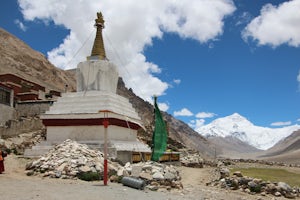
98,51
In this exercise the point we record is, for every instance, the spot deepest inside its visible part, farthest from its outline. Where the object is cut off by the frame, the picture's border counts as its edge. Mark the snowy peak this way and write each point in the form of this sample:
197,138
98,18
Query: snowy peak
236,117
226,126
235,120
239,127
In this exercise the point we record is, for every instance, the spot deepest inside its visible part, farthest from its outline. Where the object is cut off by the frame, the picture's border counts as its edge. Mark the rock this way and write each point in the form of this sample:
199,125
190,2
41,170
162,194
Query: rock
263,194
158,175
290,195
192,160
176,184
28,166
238,174
114,178
120,171
244,181
169,176
235,184
247,190
284,187
223,183
62,167
224,172
271,188
57,174
146,176
84,169
147,167
258,180
254,187
277,194
152,187
220,164
29,173
136,170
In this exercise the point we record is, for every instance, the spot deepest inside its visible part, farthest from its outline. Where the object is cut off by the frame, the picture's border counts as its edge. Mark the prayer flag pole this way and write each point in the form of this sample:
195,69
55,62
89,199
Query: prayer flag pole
105,168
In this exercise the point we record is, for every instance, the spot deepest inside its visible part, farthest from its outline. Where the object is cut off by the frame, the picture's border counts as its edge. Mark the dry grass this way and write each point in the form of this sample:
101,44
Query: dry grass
271,174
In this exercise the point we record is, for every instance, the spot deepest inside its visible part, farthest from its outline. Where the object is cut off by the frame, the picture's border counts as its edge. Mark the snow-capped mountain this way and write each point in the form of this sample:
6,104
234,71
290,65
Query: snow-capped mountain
239,127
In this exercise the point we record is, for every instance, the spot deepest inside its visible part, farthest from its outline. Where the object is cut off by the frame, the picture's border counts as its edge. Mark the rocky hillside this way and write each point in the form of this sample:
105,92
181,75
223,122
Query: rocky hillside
287,150
231,147
18,58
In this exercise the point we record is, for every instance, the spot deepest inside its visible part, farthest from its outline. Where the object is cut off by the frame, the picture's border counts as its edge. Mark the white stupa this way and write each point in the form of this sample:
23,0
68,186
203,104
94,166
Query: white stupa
79,115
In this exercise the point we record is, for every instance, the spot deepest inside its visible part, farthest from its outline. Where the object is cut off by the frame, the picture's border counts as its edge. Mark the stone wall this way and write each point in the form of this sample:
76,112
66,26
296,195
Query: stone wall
23,125
32,108
6,113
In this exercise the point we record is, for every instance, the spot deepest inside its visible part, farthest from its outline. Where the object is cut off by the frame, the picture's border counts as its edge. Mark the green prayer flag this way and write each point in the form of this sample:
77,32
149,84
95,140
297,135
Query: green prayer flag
159,138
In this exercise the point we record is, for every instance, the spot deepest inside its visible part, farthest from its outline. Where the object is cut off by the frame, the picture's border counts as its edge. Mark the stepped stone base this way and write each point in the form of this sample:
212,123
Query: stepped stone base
92,102
117,149
79,116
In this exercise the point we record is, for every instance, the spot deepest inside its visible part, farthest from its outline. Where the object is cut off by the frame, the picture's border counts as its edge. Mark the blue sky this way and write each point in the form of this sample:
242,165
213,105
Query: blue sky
204,58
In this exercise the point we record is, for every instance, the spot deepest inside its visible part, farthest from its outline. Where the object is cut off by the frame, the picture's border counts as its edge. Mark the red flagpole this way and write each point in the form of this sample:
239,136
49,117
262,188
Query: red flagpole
105,124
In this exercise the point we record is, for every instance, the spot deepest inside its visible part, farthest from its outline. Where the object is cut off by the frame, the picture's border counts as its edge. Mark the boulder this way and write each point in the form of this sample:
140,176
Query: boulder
238,174
224,172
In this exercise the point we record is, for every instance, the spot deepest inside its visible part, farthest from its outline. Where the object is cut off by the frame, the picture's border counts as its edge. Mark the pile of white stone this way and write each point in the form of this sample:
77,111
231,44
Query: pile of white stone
19,143
156,175
192,160
70,159
67,160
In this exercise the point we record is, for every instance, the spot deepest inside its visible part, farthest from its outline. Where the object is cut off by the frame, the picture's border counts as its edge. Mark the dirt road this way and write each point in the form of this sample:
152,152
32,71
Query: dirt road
15,185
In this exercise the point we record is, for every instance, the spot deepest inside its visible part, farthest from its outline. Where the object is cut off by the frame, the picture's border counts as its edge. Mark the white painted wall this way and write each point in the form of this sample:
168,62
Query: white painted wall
89,133
100,75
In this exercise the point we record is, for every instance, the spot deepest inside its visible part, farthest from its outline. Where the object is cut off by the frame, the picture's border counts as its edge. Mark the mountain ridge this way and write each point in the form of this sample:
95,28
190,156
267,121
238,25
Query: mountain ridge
239,127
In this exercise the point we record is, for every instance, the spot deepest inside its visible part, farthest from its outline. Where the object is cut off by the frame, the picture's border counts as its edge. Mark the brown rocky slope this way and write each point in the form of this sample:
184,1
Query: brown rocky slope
286,150
18,58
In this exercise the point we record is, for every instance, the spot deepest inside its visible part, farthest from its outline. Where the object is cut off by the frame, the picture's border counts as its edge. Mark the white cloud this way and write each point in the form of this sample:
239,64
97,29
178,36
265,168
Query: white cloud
20,25
298,120
130,27
205,115
163,106
276,25
196,124
177,81
244,18
183,112
281,123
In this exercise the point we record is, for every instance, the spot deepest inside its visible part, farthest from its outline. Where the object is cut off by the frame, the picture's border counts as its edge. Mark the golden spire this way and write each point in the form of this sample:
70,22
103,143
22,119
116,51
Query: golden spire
98,51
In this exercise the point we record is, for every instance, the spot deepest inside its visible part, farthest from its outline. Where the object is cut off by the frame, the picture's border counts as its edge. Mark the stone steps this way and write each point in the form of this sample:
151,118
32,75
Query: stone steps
76,103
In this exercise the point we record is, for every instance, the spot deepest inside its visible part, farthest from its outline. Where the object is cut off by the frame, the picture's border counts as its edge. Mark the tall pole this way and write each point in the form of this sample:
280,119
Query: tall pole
105,124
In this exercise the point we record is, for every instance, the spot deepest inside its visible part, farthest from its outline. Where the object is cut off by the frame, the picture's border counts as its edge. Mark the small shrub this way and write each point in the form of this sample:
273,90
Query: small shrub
8,151
89,176
14,151
256,188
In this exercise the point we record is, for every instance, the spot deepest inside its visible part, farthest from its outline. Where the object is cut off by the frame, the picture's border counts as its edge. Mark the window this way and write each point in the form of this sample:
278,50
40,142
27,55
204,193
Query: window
4,96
